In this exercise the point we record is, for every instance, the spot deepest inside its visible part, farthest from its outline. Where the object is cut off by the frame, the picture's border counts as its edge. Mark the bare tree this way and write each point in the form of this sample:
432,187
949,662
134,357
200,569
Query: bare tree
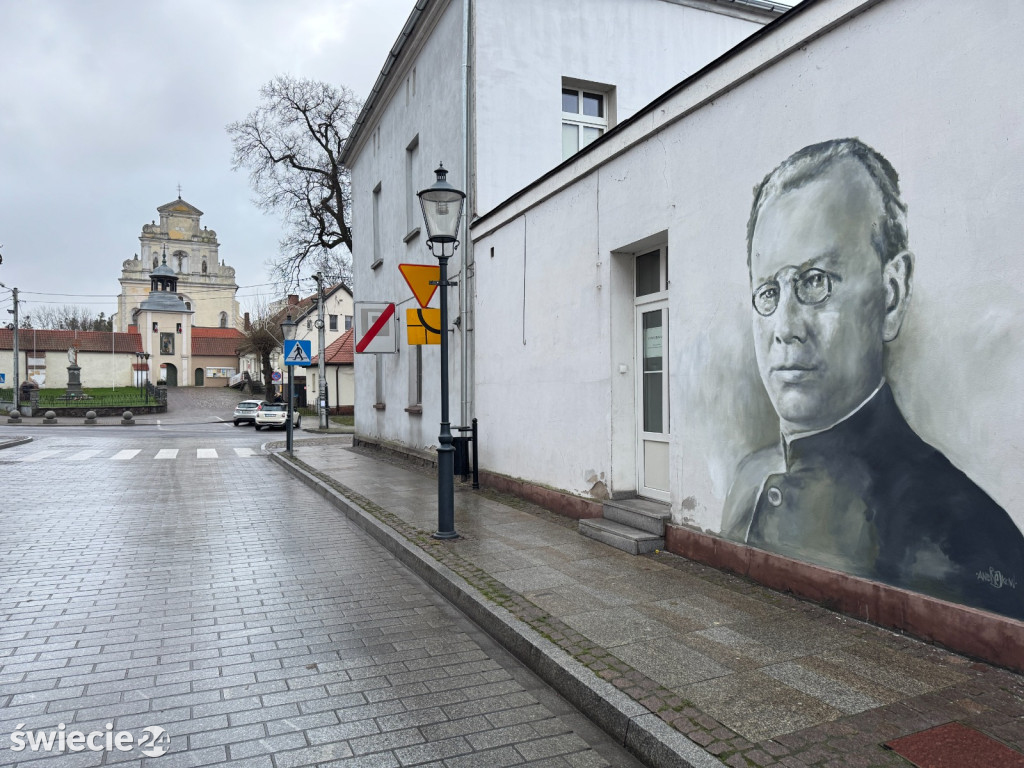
66,317
291,144
261,337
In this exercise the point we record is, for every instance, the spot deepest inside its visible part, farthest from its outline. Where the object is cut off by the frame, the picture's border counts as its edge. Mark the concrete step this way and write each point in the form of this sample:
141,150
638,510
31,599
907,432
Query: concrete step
644,514
631,540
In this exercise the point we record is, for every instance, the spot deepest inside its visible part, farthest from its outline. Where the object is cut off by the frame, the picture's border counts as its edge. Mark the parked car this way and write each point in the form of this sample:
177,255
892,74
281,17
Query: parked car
245,411
276,415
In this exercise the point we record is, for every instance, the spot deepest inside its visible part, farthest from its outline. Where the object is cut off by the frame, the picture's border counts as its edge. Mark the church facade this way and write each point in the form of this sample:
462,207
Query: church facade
205,284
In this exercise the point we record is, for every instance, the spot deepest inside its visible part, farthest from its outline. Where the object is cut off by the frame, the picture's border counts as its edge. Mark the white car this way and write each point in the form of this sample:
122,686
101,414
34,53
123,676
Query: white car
245,411
276,415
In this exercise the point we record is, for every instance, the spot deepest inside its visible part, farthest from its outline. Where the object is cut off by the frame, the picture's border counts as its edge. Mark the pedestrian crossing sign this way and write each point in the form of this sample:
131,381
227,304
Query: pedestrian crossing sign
298,352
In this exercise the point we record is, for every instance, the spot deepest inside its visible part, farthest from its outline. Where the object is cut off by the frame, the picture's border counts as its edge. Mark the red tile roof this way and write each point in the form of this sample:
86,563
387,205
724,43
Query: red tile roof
216,342
216,333
341,351
87,341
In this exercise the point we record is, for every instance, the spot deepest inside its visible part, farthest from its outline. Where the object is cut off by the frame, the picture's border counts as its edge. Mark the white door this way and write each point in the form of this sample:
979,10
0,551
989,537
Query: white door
652,399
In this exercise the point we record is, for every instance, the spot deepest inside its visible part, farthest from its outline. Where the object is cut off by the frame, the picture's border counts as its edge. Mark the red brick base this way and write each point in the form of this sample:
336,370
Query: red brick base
562,503
980,634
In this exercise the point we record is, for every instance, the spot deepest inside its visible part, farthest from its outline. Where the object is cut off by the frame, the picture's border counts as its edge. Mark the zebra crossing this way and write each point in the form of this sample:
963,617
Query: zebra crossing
134,454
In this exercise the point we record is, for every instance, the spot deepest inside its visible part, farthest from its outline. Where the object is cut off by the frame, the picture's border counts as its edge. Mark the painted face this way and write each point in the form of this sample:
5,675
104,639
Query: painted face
819,299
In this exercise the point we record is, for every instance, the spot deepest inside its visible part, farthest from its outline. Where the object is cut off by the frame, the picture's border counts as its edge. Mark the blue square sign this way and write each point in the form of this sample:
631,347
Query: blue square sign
298,352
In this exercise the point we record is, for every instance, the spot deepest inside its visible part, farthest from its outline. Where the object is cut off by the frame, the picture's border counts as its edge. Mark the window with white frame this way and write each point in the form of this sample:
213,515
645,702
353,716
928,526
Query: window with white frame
377,249
333,320
416,380
586,115
411,152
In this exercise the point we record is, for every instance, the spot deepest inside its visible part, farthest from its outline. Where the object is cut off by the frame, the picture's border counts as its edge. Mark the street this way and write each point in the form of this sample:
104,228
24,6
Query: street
167,587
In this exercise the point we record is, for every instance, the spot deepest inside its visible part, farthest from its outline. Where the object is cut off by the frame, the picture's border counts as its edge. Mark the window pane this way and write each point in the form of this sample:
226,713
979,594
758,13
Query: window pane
570,101
648,273
653,343
570,140
589,134
593,104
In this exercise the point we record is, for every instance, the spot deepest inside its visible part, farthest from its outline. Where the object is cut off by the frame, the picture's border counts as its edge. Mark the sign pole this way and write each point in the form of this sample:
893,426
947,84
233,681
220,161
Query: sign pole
291,393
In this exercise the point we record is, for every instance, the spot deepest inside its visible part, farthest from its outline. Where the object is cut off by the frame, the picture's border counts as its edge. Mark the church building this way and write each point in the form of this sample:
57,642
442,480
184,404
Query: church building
205,284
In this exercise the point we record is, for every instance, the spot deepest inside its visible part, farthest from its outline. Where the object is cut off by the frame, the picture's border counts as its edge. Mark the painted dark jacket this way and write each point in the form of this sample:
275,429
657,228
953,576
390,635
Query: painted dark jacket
871,498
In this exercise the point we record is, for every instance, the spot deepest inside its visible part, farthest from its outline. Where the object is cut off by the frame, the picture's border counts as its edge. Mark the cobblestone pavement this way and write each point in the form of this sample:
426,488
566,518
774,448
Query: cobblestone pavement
228,605
755,677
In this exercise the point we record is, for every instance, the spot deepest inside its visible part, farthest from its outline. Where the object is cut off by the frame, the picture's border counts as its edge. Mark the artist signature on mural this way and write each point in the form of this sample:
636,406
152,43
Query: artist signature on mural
996,579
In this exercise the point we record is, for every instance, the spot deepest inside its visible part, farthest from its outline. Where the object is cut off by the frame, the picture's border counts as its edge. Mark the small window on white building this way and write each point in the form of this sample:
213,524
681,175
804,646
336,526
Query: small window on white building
333,319
416,380
586,115
223,319
348,322
411,152
378,259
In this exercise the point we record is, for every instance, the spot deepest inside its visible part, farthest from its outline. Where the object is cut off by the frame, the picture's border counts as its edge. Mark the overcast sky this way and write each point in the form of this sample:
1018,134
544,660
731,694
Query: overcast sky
107,105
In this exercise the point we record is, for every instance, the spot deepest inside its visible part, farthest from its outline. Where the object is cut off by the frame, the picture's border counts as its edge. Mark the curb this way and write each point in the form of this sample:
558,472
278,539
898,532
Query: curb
631,724
14,441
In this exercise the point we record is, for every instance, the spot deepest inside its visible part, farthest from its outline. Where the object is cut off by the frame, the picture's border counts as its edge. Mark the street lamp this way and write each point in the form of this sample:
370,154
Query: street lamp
442,213
145,360
288,331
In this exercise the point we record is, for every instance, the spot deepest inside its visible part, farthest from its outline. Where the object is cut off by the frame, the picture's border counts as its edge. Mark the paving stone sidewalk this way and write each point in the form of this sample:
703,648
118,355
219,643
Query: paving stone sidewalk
752,676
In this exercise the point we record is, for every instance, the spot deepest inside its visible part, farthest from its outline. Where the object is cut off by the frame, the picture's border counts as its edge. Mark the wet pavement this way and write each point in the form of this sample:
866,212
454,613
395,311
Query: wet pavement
748,675
176,589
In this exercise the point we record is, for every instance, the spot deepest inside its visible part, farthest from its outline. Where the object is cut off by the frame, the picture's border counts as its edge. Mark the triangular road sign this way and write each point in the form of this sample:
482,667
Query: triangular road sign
419,276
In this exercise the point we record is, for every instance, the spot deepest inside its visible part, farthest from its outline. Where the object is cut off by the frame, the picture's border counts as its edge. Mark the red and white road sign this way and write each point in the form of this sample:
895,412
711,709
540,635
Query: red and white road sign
375,327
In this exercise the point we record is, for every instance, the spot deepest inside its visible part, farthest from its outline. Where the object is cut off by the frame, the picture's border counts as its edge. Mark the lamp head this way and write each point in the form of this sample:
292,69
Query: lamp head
442,207
288,328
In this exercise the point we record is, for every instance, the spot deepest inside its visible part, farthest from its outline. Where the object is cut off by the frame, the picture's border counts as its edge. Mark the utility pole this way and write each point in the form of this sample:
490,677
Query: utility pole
322,367
14,293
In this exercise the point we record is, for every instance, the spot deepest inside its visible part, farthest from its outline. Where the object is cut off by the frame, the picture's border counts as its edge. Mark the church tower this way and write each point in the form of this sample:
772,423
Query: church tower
204,284
165,324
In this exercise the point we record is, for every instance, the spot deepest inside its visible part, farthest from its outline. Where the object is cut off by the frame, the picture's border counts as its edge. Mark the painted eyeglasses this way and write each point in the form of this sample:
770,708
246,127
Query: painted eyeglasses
813,286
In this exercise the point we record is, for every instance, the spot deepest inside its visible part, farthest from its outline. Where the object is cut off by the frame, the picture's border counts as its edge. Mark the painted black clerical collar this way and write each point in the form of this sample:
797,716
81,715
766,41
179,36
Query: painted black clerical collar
797,443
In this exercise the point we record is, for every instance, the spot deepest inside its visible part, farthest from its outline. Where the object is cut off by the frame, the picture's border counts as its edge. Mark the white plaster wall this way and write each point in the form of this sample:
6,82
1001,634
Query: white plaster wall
525,48
433,113
924,84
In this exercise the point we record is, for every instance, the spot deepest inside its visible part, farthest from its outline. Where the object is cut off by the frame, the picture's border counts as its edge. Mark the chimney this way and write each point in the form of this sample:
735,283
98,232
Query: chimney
246,325
293,299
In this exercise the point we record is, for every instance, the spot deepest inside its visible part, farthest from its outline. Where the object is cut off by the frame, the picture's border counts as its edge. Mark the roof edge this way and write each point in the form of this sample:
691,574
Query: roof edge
409,31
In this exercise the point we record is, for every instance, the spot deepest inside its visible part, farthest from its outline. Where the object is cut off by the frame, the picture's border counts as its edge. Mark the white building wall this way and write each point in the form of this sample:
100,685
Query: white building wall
521,51
525,48
958,361
432,112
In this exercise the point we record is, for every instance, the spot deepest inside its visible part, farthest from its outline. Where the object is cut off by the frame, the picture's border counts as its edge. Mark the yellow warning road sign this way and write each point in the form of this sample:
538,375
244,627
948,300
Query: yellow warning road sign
423,326
419,277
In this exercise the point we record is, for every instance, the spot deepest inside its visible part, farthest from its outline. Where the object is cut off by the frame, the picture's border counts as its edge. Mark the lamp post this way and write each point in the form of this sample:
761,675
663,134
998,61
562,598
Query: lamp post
442,213
288,332
145,360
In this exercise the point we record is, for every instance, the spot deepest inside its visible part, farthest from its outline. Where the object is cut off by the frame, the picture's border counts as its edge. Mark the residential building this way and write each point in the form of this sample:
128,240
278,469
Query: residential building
338,315
619,310
499,93
339,373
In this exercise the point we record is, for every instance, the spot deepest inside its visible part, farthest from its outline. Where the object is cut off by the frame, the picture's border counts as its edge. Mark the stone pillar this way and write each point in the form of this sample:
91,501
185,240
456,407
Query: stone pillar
74,380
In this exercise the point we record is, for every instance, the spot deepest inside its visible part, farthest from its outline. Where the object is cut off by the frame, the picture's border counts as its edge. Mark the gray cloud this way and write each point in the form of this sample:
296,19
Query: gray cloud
107,105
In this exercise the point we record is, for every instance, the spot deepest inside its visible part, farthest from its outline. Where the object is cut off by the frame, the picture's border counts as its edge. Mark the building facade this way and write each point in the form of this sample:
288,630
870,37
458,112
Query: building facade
500,93
304,311
818,381
207,285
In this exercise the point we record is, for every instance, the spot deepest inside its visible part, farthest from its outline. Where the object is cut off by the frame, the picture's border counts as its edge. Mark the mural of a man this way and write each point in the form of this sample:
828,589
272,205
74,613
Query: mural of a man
850,486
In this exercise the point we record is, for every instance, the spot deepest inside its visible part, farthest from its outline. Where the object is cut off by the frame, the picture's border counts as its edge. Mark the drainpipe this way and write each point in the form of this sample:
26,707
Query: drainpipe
465,294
